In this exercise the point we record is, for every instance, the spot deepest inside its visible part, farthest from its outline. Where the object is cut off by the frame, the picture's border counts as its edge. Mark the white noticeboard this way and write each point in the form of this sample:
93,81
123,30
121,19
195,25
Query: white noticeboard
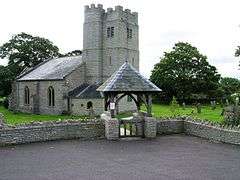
112,106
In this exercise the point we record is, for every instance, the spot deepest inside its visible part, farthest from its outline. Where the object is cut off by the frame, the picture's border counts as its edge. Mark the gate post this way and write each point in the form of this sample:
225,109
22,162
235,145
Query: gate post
150,127
111,127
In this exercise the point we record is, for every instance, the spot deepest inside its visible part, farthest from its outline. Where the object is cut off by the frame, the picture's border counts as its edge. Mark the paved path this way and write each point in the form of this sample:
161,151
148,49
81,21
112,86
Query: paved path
167,157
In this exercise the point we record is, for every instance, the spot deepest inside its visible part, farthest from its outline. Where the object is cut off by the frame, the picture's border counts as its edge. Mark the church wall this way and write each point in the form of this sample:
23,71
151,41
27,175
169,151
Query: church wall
21,106
79,106
76,78
60,90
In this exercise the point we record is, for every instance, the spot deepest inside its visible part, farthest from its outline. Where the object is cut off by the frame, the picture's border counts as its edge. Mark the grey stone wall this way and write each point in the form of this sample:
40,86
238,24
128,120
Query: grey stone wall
47,131
79,106
212,132
200,128
170,126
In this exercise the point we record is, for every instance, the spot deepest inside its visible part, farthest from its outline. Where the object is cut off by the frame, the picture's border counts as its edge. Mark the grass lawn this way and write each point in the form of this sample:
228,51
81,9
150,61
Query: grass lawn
20,118
158,111
207,113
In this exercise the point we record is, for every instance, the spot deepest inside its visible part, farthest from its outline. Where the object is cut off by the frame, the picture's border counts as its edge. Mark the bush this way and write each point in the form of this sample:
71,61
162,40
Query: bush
232,115
174,106
6,103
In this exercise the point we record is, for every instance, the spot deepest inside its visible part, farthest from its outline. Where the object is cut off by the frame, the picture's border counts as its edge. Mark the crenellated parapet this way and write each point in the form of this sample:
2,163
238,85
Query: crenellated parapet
119,13
96,12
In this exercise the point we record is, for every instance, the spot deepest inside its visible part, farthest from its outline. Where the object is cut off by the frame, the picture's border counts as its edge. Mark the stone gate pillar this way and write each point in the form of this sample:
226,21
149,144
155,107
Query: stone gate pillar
150,127
111,126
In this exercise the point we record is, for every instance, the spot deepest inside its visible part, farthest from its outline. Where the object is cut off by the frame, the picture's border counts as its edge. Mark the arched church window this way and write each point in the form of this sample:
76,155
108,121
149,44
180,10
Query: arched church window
133,61
89,104
51,96
26,95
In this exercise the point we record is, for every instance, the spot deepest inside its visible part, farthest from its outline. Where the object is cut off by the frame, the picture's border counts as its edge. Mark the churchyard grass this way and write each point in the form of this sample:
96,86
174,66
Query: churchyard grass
157,109
206,112
20,118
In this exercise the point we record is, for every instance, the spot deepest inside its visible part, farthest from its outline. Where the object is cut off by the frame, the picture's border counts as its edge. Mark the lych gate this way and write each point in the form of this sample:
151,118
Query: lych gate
127,81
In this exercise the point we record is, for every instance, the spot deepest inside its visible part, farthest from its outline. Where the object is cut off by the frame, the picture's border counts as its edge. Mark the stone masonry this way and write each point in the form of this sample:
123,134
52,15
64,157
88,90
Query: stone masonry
48,131
111,126
150,127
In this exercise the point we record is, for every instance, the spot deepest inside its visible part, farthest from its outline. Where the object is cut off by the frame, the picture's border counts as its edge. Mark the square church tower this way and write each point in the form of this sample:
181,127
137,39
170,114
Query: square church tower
109,39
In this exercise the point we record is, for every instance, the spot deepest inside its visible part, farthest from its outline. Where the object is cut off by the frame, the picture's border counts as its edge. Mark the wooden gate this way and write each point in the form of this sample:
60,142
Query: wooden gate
131,128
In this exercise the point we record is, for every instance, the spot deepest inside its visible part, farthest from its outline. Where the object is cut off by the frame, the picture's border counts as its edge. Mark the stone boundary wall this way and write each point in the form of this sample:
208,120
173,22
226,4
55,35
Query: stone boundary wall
47,131
199,128
95,129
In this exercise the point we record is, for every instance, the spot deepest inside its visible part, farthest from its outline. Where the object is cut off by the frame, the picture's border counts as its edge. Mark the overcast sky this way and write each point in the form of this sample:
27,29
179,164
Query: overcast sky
213,26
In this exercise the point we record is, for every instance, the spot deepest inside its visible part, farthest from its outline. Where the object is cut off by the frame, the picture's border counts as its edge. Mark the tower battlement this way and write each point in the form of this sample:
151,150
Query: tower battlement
110,13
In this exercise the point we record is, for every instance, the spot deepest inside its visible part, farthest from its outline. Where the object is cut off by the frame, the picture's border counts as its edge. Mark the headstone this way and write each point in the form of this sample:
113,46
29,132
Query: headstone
213,105
183,105
2,120
198,106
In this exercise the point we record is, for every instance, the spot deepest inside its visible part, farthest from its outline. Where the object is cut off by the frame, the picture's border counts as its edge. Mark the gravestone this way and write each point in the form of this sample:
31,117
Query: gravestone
2,120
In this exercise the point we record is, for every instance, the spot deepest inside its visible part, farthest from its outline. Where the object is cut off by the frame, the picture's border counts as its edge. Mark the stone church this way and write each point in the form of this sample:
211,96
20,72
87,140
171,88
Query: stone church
68,84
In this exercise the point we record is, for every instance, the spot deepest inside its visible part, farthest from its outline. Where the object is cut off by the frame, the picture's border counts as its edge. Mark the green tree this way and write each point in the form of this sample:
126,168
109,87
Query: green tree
230,85
6,77
185,71
73,53
24,51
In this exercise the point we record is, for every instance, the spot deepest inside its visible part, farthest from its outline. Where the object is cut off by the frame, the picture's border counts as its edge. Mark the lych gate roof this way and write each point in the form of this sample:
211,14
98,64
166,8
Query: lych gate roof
127,78
54,69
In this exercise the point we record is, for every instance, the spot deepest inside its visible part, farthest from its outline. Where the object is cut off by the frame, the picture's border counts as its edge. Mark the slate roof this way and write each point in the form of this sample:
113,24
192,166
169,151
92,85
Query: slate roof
54,69
127,79
86,91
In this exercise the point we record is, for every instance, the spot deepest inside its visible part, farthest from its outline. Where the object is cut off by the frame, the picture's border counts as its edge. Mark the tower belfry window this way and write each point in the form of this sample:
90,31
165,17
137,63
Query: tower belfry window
110,32
129,33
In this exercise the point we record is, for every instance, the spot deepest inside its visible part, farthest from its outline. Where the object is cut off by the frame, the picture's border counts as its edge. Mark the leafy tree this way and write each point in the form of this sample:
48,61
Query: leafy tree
6,77
230,85
25,51
73,53
185,71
